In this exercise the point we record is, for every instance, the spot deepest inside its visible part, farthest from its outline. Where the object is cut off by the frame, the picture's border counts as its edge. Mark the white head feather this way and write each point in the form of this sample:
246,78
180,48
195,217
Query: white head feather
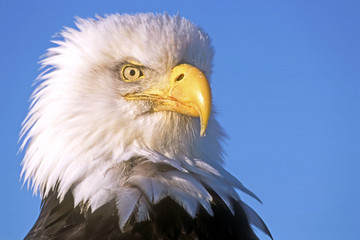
83,136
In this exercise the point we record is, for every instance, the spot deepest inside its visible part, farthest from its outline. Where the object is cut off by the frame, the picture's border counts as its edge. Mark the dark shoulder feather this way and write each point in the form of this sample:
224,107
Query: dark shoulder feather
169,221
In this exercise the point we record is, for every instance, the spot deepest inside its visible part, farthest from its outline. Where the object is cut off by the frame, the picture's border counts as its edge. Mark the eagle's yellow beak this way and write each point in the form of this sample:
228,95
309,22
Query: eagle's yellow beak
187,92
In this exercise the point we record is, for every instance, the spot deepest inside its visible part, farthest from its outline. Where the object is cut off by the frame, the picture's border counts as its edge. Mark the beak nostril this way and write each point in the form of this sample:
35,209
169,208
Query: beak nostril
181,76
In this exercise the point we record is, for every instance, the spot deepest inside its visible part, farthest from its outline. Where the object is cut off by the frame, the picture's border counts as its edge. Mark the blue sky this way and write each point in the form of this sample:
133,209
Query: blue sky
286,84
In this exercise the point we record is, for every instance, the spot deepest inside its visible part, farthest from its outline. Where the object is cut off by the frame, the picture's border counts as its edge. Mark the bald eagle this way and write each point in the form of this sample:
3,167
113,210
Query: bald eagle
121,140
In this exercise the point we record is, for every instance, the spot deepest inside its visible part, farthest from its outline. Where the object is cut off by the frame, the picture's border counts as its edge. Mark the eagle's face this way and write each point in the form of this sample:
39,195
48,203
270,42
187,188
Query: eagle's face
117,85
131,81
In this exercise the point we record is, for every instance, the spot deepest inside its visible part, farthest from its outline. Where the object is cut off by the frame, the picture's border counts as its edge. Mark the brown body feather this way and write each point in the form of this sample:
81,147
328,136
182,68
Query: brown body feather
169,221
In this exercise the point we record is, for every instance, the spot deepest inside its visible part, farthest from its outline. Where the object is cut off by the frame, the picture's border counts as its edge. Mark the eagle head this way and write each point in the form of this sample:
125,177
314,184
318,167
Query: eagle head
123,112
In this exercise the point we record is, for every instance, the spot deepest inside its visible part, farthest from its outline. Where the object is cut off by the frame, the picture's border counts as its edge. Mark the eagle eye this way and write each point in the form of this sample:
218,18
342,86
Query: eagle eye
131,73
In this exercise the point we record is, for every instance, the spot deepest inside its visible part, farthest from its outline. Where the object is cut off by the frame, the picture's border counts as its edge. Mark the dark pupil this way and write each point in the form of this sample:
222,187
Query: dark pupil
132,72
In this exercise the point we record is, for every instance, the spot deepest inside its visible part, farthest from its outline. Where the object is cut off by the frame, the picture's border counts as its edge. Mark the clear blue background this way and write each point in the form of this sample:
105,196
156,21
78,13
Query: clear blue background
286,83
